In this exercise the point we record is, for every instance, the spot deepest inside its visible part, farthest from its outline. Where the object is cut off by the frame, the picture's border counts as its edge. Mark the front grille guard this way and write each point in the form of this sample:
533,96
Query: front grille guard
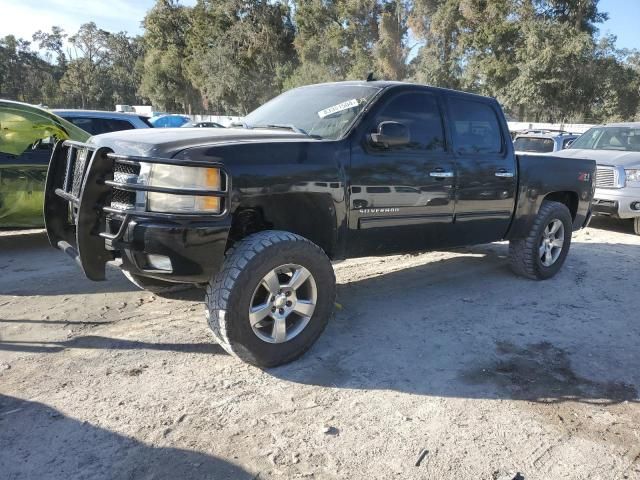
79,185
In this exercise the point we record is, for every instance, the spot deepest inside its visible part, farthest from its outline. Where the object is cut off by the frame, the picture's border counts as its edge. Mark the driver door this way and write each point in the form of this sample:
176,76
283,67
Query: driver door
401,197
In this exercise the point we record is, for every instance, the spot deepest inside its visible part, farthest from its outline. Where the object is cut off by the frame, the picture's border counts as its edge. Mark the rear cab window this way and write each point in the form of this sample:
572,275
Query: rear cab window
475,127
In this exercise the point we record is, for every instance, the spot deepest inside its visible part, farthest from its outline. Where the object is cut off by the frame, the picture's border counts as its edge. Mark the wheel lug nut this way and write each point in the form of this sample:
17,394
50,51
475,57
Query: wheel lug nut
281,311
289,304
288,294
273,309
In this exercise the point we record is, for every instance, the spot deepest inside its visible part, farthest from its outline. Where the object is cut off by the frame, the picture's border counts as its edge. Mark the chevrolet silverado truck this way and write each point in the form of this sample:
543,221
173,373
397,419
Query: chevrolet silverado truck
256,213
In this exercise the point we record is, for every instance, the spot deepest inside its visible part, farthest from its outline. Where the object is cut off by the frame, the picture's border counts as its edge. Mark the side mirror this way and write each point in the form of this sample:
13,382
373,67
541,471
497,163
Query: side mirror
391,134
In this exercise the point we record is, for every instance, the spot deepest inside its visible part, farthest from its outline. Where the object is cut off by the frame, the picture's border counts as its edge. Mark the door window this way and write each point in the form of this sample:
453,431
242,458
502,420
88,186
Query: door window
419,112
476,128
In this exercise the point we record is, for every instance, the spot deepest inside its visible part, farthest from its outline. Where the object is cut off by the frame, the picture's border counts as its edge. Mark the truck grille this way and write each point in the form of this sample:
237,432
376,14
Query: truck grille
78,171
123,173
606,177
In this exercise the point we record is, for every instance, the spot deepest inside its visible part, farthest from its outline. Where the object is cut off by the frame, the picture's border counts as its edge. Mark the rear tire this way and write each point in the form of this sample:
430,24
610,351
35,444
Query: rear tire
153,285
541,254
254,305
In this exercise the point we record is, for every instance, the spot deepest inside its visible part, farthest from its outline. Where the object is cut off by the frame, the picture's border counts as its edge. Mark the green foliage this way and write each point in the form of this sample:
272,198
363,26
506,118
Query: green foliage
542,59
348,39
163,76
239,52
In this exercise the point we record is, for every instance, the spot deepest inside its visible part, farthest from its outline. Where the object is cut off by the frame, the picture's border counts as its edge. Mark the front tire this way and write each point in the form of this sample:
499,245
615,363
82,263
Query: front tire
272,298
541,254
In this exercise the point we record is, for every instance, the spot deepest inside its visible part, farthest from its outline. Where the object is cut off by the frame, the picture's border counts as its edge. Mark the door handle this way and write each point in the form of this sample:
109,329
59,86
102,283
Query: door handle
438,174
504,173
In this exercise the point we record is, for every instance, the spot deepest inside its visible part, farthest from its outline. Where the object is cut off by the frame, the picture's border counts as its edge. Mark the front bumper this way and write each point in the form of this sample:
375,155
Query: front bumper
616,202
194,252
81,220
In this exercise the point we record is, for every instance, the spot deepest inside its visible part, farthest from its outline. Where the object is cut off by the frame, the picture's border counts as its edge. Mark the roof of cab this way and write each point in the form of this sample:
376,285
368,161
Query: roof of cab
384,84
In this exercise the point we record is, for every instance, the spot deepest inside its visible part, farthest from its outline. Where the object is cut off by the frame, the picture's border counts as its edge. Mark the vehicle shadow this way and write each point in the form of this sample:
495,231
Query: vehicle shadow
37,441
106,343
466,327
612,224
32,267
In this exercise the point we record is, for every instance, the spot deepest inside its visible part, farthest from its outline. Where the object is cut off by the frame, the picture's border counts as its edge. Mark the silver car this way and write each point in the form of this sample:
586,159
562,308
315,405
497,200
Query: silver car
616,149
542,141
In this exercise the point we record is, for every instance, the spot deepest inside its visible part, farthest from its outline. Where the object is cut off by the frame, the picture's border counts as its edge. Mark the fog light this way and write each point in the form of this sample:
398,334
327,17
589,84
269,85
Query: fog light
635,206
159,262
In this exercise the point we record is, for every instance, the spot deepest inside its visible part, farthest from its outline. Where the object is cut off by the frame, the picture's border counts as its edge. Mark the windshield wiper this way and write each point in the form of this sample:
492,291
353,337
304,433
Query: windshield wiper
240,123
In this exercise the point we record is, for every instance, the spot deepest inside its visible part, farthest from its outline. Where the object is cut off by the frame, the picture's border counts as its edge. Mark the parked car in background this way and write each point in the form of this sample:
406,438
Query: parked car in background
169,121
542,141
202,125
96,121
22,176
616,150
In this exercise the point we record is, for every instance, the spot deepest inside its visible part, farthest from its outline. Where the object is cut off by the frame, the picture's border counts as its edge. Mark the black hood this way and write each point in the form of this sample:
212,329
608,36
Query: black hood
166,142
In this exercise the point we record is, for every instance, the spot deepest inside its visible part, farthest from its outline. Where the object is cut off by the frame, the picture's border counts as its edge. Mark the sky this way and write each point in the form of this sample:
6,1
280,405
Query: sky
23,17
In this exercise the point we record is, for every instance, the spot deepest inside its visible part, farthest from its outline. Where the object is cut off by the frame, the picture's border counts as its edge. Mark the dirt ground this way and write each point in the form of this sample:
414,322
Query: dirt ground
445,353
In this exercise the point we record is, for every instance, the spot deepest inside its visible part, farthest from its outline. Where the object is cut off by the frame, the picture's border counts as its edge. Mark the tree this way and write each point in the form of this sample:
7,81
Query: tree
390,50
84,80
123,55
22,72
348,39
163,72
52,43
239,52
438,24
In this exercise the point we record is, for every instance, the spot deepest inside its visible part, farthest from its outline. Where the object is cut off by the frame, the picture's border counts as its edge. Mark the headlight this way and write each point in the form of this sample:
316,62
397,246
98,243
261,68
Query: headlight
183,177
633,176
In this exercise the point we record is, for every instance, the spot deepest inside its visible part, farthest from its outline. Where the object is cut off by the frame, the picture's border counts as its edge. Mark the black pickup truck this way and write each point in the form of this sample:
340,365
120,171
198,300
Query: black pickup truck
256,213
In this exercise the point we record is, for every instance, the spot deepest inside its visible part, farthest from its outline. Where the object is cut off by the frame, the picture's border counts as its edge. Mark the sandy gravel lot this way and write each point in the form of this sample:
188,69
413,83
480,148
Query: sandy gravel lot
447,352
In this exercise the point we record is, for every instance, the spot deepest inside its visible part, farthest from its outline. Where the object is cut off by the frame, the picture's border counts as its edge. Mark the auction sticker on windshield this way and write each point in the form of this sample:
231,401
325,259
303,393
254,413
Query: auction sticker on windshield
338,108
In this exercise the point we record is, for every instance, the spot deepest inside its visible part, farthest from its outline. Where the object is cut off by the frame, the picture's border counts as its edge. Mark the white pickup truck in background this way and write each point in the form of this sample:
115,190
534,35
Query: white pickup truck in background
616,150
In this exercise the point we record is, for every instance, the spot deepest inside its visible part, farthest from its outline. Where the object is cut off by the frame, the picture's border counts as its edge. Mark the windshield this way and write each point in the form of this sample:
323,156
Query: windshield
610,138
325,111
533,144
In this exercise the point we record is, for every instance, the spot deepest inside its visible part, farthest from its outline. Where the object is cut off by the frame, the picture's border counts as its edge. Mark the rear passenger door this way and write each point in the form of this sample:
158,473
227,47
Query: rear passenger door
486,183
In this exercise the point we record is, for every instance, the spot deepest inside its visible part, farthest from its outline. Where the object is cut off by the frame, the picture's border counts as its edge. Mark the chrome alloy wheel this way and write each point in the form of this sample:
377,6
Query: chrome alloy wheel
283,303
551,243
